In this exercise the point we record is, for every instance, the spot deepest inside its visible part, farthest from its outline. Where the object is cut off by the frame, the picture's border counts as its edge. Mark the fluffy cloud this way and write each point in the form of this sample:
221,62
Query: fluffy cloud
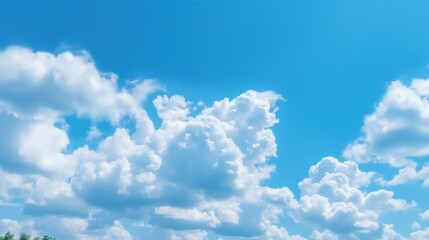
189,235
201,171
397,133
420,234
33,145
17,227
13,186
80,228
116,231
398,129
425,215
37,89
34,82
408,174
332,202
48,197
325,235
93,133
39,195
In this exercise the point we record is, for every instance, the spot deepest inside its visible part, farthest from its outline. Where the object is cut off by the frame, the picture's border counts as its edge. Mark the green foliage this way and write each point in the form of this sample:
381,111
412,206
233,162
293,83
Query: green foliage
47,238
7,236
24,236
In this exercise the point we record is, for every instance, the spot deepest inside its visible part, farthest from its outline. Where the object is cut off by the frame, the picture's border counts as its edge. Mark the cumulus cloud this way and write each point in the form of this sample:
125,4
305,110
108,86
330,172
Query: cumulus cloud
415,226
408,174
37,89
33,82
324,235
195,171
13,186
420,234
93,133
35,146
390,233
396,133
190,235
425,215
397,130
332,202
80,228
51,197
17,227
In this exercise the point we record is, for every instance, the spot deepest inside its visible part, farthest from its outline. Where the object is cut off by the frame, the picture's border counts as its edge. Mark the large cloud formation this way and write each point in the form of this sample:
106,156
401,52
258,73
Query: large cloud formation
199,175
198,170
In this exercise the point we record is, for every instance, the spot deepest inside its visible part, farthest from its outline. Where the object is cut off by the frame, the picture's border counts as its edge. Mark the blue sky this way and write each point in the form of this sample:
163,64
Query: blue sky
345,79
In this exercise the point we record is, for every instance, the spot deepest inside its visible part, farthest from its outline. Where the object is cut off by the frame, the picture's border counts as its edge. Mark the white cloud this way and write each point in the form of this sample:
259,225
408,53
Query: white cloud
80,228
397,133
34,82
37,89
398,130
189,235
93,133
331,199
52,197
389,233
38,195
116,231
420,234
34,146
191,215
73,226
415,226
382,201
17,227
171,108
324,235
13,186
193,164
408,174
425,215
42,145
274,232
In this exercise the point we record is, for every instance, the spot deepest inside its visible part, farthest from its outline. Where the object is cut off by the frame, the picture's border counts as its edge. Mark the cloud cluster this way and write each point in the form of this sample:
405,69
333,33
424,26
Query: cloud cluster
37,89
198,170
192,172
199,175
333,203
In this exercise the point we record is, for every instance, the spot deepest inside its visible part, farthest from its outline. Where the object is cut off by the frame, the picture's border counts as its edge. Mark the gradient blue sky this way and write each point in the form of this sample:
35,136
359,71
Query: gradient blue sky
332,61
